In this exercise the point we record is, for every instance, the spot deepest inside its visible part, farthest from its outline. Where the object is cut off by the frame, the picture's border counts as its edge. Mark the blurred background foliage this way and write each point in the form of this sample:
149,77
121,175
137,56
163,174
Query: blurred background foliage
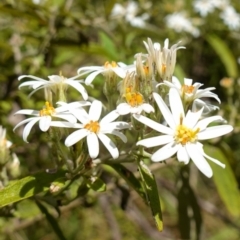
45,37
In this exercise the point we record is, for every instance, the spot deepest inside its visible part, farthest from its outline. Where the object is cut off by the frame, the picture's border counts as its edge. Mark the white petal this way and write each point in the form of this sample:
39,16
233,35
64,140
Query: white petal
188,81
93,145
147,108
165,152
91,77
214,160
213,132
176,105
176,82
182,155
26,121
202,124
114,126
194,151
95,110
66,116
119,71
44,123
65,124
155,141
192,118
81,115
89,68
33,77
108,143
32,84
27,112
110,117
76,136
28,128
164,110
116,133
124,108
66,106
79,87
154,125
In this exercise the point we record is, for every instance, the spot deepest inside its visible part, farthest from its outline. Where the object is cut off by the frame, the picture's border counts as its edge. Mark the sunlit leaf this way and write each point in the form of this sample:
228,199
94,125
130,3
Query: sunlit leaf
225,181
28,187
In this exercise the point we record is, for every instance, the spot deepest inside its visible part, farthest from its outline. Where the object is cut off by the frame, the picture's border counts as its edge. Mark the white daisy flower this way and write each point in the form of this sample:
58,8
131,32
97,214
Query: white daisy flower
231,18
190,92
180,23
204,7
108,69
93,129
182,134
45,117
54,83
134,105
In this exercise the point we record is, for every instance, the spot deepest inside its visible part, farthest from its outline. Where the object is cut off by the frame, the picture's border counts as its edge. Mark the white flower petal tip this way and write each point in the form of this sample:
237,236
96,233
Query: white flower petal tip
54,82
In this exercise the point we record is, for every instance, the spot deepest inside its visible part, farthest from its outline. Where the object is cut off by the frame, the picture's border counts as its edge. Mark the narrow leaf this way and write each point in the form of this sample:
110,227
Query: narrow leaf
28,186
151,191
131,180
225,54
51,220
225,181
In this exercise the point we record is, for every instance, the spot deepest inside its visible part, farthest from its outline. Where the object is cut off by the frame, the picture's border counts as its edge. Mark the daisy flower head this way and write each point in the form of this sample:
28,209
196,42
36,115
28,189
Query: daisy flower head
231,18
163,58
94,129
109,70
183,133
180,23
134,104
54,84
190,93
45,117
204,7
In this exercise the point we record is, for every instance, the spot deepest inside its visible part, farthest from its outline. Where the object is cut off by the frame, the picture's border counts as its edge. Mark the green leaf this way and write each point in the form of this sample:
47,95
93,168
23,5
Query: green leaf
151,191
131,180
28,187
51,220
179,73
225,54
187,200
97,185
109,46
225,181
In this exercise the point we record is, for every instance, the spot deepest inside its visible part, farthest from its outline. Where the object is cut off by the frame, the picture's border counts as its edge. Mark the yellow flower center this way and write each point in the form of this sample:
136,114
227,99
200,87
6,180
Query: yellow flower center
93,126
184,134
49,110
110,65
187,89
134,99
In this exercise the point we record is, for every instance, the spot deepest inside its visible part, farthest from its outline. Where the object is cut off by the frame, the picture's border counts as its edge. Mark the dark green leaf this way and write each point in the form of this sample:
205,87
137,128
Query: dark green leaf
151,191
51,220
97,185
129,177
